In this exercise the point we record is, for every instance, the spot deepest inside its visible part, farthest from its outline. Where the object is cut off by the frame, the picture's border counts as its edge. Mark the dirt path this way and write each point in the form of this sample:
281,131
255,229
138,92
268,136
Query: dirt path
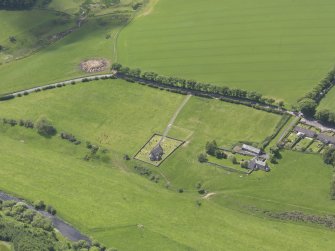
175,115
207,196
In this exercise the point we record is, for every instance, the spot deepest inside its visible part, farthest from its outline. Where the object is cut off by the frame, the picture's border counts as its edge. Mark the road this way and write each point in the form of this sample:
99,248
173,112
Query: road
66,82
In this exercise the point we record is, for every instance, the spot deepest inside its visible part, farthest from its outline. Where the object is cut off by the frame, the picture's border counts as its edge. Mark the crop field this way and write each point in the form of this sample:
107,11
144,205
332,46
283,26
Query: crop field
250,45
169,145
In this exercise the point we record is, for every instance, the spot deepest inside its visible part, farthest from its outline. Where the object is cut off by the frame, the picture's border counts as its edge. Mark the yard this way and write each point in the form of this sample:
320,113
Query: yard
303,144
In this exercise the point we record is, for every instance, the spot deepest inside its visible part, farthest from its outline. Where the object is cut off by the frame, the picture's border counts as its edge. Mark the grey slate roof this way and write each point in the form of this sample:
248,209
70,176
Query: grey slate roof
306,132
156,153
251,149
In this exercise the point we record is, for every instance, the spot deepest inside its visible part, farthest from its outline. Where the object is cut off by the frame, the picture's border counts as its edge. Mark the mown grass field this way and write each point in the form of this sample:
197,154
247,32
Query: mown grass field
281,49
122,116
328,102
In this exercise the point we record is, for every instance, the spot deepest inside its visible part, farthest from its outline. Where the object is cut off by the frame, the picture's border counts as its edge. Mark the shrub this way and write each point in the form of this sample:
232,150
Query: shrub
26,93
180,190
51,210
202,158
45,128
39,205
7,97
233,159
73,82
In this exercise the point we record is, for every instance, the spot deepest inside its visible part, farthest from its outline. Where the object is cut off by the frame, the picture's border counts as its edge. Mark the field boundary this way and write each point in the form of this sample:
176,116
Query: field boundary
157,134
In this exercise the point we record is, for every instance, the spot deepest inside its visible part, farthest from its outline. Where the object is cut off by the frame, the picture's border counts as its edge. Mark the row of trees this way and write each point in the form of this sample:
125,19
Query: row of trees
308,104
16,4
194,85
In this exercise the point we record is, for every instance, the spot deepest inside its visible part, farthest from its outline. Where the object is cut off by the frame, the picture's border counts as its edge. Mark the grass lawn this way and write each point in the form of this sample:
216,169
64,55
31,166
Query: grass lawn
111,202
246,45
5,246
68,6
125,115
328,102
168,144
30,29
61,60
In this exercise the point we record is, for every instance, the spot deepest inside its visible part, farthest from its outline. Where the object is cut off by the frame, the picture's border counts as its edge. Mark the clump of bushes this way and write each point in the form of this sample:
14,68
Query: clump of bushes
144,171
70,138
45,128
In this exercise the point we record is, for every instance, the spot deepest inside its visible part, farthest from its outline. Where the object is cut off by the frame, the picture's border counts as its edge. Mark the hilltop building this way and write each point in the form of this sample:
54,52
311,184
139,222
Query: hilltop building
156,153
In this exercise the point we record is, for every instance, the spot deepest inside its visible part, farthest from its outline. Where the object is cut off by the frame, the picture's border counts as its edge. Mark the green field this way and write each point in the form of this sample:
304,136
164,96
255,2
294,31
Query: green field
168,144
124,198
328,102
281,49
61,60
31,30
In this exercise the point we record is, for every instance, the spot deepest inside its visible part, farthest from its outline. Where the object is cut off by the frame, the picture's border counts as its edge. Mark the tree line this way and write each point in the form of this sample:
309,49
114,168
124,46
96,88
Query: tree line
16,4
308,104
193,85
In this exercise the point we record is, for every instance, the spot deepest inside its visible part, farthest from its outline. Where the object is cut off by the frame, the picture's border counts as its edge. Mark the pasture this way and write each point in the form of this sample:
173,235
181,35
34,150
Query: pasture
61,60
116,210
31,30
281,49
328,102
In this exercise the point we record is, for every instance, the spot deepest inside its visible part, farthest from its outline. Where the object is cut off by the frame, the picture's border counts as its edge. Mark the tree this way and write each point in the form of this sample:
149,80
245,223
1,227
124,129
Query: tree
211,147
220,154
202,158
323,116
45,128
233,159
307,106
244,164
329,156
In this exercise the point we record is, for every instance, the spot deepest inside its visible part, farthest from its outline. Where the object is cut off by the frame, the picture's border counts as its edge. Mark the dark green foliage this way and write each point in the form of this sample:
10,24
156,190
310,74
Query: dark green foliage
307,106
16,4
220,154
51,210
126,157
39,205
244,164
7,97
70,138
180,190
329,156
332,189
45,128
202,158
183,86
211,148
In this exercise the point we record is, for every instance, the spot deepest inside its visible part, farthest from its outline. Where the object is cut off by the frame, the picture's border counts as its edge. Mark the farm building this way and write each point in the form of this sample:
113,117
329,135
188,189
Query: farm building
326,139
303,132
156,153
251,149
258,164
